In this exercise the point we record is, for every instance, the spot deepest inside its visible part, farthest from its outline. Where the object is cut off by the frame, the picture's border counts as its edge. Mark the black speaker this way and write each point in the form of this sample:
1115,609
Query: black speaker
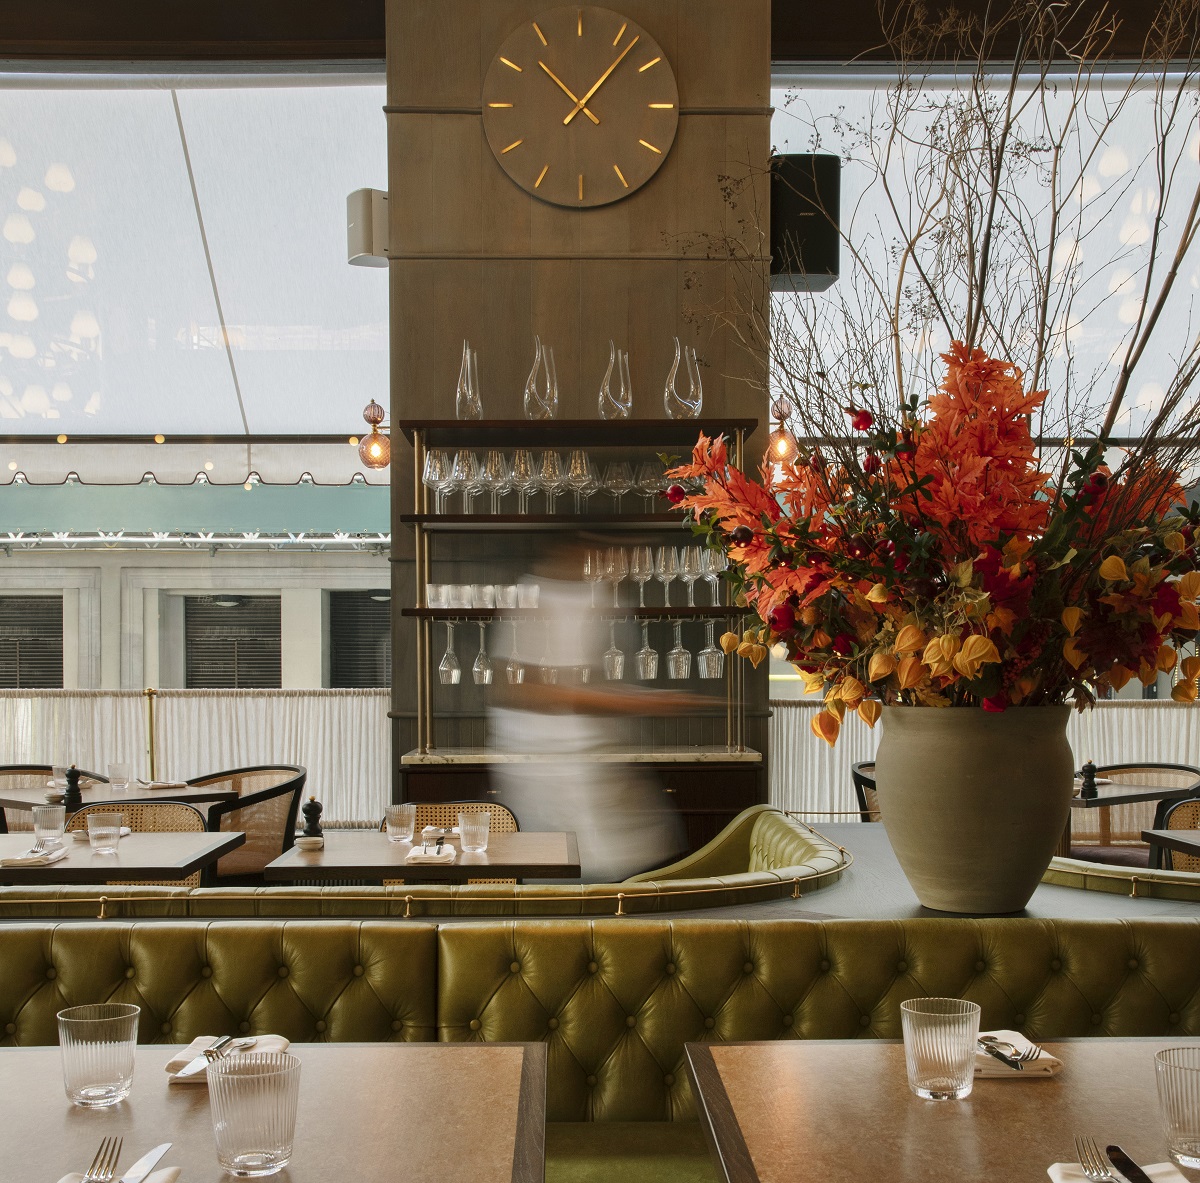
806,190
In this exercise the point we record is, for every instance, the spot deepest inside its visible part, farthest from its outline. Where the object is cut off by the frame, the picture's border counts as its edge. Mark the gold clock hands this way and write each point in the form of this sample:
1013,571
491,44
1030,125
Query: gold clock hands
567,91
579,103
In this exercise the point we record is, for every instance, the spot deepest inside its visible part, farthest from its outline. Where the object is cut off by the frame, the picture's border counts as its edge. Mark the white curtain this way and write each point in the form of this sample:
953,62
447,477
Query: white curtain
88,728
809,776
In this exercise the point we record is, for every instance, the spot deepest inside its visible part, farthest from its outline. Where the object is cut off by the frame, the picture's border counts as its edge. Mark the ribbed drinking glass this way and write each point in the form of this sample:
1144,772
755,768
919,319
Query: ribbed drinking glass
253,1098
98,1042
104,832
939,1046
400,821
473,828
49,821
1178,1072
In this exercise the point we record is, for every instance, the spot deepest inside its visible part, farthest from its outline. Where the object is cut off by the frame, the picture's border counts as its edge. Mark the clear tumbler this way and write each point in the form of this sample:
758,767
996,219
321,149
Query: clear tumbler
253,1098
473,828
98,1042
939,1046
1178,1072
400,820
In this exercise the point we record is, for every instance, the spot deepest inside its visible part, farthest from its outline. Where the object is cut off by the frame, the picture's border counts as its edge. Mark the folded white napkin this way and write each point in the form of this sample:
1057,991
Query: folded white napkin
162,784
417,855
1072,1172
83,836
44,859
1044,1065
266,1043
166,1175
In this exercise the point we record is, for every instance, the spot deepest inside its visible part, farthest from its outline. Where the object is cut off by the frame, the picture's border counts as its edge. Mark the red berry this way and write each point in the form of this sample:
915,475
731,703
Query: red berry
861,420
816,462
858,547
676,493
842,644
871,464
782,619
743,535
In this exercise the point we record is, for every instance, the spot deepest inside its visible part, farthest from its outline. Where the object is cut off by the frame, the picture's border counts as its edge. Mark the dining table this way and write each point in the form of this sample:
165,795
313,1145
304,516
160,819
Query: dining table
371,1113
1181,841
27,796
841,1111
371,856
169,856
1109,794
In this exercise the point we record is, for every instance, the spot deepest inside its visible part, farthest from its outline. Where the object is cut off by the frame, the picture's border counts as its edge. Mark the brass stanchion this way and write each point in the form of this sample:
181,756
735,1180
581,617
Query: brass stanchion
150,694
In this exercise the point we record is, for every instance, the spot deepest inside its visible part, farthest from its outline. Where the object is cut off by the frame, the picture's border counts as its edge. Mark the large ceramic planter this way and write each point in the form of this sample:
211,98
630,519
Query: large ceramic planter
974,803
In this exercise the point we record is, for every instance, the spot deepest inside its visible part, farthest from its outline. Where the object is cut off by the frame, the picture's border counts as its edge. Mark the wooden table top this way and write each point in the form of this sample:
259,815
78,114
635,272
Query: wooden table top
1184,841
139,856
368,854
1117,794
104,794
840,1111
439,1112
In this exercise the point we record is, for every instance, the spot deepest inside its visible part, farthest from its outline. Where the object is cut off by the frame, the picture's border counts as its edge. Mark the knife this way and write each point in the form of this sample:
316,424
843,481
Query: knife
198,1063
1125,1165
997,1054
144,1165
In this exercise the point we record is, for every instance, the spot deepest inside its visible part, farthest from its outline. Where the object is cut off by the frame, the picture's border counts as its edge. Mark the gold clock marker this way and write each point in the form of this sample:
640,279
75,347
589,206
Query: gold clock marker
541,35
651,62
541,176
581,186
518,143
499,104
644,144
579,28
512,65
662,106
620,34
621,175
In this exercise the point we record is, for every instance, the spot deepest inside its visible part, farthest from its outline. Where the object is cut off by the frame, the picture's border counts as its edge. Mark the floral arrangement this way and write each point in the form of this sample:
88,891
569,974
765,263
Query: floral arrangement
934,561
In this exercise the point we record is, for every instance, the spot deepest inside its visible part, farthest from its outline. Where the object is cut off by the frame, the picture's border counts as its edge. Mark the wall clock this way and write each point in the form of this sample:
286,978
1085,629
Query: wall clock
580,106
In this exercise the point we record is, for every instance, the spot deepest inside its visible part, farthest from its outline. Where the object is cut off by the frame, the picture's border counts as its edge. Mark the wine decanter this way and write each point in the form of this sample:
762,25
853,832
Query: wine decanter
646,658
482,670
626,395
466,402
710,659
534,407
614,659
610,407
676,406
550,397
449,671
679,659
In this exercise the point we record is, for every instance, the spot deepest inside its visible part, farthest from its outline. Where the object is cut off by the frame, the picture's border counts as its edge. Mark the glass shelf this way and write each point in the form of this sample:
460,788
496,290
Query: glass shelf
580,433
542,523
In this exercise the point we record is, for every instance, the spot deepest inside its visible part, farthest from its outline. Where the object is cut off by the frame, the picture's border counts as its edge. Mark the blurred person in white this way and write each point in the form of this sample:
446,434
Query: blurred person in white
623,820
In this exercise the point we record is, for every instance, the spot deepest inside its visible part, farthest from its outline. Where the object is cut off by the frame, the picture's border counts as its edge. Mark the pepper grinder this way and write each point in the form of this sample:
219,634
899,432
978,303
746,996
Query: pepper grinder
72,798
312,837
1088,789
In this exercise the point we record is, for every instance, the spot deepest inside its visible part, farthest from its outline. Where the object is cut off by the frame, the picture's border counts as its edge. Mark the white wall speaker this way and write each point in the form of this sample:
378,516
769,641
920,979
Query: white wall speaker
367,228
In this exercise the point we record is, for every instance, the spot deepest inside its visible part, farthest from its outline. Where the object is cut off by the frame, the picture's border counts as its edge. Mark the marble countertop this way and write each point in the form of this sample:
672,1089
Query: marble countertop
691,755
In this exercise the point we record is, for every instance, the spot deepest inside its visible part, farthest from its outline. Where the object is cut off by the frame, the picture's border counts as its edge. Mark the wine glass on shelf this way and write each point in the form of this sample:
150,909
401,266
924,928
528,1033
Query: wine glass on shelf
523,477
551,478
579,475
690,570
449,671
482,671
595,570
710,660
437,476
648,483
646,658
614,659
465,476
618,480
641,570
712,563
618,569
666,567
496,477
679,660
514,671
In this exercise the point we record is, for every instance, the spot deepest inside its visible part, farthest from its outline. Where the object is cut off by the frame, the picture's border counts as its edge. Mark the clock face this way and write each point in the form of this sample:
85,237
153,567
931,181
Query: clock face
580,106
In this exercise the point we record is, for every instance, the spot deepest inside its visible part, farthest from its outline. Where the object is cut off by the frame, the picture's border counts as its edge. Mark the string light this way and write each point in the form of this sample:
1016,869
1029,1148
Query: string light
781,446
375,451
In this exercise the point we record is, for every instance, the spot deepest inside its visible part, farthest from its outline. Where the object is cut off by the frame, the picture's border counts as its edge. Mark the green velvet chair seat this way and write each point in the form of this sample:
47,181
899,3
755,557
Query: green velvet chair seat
614,1151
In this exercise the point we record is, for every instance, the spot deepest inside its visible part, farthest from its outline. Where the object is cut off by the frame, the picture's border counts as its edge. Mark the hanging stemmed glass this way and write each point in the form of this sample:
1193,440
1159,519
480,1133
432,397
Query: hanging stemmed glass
436,476
617,569
523,477
618,480
449,671
690,570
666,567
551,478
641,570
547,670
646,658
614,659
514,671
482,670
712,563
710,660
679,659
496,477
595,570
579,475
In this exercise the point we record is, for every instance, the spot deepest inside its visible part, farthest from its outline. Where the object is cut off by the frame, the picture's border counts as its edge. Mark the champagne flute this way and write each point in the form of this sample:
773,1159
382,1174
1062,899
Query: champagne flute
551,478
523,477
437,476
666,567
514,671
641,570
614,659
449,671
646,658
595,569
618,569
679,660
690,570
710,659
618,480
482,671
496,477
712,563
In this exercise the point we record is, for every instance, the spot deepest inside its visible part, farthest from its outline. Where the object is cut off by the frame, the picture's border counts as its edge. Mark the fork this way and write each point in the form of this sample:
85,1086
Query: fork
1091,1161
104,1165
1023,1054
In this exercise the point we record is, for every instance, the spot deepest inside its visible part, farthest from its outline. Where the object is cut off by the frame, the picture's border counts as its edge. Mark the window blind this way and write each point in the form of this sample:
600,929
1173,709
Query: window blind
31,642
232,646
360,640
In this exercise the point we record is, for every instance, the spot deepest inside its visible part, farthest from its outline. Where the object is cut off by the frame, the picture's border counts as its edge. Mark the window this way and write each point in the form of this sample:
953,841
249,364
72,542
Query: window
232,642
360,639
31,642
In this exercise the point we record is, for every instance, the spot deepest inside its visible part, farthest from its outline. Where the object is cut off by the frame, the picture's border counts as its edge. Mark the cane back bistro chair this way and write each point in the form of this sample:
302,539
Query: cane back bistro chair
265,811
33,777
863,775
445,815
158,817
1113,833
1176,815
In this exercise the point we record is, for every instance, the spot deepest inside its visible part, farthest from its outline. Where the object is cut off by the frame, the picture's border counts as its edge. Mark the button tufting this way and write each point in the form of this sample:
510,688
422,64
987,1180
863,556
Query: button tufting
320,1025
630,1021
243,1027
129,971
474,1024
788,1020
166,1028
901,966
9,1028
865,1021
670,967
980,966
358,971
283,971
592,967
1132,963
669,1079
206,972
397,1024
748,968
591,1082
1018,1019
515,968
552,1024
52,973
825,966
1096,1019
1056,964
1172,1018
710,1023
